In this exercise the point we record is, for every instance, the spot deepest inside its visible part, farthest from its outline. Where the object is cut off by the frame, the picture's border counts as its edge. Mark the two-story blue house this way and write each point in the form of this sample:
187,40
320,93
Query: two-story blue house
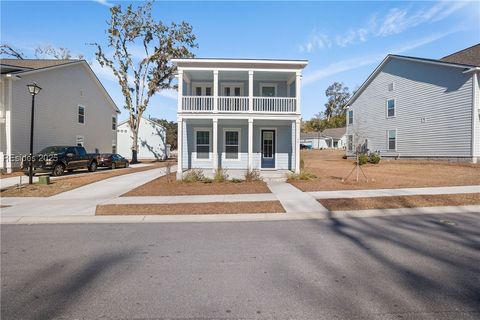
238,114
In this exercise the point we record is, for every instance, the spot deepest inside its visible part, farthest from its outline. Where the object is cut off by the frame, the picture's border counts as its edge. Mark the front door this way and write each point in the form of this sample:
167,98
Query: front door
268,149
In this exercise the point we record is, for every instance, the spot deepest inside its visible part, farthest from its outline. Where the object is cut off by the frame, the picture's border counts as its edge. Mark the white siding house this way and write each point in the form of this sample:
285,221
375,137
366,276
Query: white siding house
330,138
418,108
152,140
238,114
72,108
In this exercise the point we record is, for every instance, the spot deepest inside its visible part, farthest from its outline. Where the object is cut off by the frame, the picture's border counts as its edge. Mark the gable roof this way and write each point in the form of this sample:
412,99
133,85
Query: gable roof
32,64
146,119
335,133
470,56
27,66
405,58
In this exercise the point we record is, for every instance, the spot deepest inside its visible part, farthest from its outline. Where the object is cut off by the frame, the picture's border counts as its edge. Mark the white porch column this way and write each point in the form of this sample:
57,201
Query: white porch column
215,91
180,90
215,144
250,91
180,149
298,89
250,143
297,146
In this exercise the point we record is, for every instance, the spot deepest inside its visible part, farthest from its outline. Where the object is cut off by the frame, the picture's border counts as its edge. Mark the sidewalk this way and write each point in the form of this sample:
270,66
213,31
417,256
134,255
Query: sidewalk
393,192
294,200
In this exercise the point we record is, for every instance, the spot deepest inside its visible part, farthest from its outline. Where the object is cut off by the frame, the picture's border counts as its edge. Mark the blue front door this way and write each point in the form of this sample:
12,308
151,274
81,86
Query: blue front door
268,149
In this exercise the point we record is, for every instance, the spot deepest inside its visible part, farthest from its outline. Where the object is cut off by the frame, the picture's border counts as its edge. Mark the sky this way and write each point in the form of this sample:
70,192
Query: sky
343,41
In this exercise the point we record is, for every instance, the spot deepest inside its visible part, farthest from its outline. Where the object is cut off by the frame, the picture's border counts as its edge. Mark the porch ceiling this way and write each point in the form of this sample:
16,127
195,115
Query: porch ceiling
207,75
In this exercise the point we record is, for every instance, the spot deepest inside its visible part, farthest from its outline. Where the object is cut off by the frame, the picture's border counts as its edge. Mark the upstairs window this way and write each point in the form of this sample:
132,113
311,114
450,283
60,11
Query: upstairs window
202,144
268,90
390,108
350,116
114,123
81,114
392,140
232,144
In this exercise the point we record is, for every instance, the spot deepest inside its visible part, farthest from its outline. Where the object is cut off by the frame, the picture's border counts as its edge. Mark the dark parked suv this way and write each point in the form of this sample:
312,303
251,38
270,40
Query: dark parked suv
57,159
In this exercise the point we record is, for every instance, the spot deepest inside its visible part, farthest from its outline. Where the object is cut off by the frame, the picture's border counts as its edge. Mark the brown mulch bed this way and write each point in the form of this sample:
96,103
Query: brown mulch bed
70,182
330,168
9,175
190,208
402,202
169,186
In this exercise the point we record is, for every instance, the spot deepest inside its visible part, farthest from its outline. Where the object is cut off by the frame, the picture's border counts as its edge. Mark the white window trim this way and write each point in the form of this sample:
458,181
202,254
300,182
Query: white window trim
202,85
394,108
231,84
388,140
84,114
224,153
116,124
210,147
261,150
80,138
352,117
268,84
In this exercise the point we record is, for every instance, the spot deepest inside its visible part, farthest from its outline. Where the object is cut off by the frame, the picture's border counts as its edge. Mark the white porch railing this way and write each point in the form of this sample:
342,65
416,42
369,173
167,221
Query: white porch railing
239,104
197,103
274,104
233,104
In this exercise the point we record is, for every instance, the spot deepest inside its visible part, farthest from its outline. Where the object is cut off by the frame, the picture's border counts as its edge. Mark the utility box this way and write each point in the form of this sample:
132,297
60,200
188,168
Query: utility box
44,180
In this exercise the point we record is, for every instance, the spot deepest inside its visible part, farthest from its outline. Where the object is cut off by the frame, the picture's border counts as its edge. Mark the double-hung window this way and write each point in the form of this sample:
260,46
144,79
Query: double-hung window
350,116
392,140
350,142
81,114
114,123
202,146
390,108
232,144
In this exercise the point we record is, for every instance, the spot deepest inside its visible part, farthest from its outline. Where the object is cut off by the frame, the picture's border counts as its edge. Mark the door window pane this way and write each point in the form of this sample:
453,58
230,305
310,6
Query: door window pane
267,144
208,91
237,92
226,91
198,91
268,91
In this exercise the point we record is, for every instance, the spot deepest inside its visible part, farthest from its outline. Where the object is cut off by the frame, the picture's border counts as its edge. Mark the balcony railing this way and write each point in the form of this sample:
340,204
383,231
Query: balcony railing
274,104
233,104
239,104
197,103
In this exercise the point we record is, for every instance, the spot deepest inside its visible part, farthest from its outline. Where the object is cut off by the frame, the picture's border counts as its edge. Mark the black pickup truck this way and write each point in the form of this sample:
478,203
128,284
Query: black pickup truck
57,159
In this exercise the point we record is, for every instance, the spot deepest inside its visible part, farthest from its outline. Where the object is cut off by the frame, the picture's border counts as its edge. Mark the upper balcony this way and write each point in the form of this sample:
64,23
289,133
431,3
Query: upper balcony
239,86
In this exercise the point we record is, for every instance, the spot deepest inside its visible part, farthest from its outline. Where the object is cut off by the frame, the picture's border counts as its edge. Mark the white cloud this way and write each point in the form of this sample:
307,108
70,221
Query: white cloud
395,21
104,2
355,63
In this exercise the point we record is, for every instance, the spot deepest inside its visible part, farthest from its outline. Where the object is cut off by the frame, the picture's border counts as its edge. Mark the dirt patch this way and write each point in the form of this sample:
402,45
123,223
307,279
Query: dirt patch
191,208
4,175
330,168
401,202
71,182
162,187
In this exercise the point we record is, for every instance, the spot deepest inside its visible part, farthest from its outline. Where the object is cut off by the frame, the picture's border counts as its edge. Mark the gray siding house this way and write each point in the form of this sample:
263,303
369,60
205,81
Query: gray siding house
73,108
330,138
238,114
419,108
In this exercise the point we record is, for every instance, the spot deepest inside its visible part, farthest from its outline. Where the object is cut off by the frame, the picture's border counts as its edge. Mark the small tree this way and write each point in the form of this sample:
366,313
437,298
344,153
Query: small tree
7,50
49,51
141,78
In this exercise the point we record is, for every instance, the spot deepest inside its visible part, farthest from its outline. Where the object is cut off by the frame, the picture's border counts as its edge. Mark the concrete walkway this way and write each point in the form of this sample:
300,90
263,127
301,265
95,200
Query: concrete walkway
11,181
393,192
294,200
81,201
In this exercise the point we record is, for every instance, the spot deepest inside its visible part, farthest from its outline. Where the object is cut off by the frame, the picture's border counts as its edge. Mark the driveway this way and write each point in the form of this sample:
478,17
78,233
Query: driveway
402,267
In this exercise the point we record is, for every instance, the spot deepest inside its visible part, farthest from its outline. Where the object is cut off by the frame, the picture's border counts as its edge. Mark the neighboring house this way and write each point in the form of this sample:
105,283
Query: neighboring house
331,138
419,108
152,140
73,108
238,114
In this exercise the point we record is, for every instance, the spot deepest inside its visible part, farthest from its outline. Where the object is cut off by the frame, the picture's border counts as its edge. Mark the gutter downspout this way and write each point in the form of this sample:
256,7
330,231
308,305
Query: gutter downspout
474,114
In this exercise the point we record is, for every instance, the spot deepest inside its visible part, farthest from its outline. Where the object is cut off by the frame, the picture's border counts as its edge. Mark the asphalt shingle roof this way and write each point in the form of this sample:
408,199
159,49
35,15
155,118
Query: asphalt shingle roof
35,63
470,56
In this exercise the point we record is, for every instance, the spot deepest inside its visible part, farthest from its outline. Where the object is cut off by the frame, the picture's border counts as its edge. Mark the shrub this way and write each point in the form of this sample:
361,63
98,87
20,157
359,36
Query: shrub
235,180
253,175
220,175
303,175
344,156
374,158
362,159
302,164
207,180
194,175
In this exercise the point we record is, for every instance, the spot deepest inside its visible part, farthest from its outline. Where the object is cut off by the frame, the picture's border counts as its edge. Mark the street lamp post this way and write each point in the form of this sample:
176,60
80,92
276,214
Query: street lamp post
34,89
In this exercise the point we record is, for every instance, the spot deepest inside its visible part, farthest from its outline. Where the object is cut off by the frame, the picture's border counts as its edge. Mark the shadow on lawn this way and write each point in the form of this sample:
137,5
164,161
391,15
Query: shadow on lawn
387,265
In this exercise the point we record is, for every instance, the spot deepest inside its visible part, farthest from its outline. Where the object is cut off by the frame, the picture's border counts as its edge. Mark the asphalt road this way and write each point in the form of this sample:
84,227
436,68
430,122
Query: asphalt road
403,267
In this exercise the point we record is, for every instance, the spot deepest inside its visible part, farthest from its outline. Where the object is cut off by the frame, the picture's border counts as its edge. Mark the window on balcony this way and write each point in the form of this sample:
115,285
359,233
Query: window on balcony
232,144
202,145
232,89
268,90
202,89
